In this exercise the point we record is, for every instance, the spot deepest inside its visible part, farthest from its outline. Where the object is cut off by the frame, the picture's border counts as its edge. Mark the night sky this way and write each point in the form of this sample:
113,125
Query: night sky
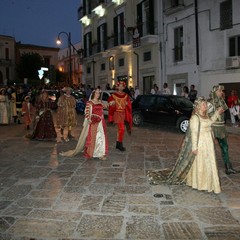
38,22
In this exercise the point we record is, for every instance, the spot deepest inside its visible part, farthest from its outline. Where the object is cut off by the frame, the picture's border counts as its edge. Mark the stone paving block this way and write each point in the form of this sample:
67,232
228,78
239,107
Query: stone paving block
17,211
16,192
42,229
172,213
66,216
223,233
140,200
4,204
143,209
6,182
182,230
79,181
91,203
101,189
85,171
143,227
67,167
52,183
100,227
44,194
6,223
67,197
215,216
35,203
56,174
187,196
131,189
35,172
74,189
114,204
108,180
111,169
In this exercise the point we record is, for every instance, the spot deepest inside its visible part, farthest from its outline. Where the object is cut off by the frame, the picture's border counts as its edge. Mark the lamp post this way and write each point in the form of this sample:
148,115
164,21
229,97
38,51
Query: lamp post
70,52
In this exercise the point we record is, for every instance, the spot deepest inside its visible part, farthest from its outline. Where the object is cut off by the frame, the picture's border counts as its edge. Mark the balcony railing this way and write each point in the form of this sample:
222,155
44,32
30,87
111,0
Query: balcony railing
4,62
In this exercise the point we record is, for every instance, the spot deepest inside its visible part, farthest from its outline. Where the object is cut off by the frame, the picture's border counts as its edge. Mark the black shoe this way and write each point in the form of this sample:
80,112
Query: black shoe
229,169
119,146
19,122
28,127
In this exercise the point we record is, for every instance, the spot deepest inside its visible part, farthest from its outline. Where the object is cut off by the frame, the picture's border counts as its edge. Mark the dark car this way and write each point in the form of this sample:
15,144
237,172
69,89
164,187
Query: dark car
80,97
163,109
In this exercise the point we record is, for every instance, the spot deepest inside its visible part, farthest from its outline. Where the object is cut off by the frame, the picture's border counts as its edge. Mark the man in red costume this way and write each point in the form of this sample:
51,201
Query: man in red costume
120,112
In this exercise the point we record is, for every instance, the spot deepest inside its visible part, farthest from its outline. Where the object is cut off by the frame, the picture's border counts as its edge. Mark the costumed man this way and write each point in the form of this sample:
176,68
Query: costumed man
19,100
216,100
120,112
28,112
66,113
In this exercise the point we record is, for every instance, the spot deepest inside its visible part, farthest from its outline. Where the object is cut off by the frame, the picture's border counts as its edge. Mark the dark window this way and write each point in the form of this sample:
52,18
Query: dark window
147,56
87,44
7,53
102,37
175,3
118,24
121,62
163,103
226,15
178,44
147,101
103,67
234,46
88,70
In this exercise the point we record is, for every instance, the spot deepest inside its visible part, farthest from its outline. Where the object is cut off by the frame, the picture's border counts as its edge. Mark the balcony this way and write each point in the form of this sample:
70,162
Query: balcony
5,62
174,8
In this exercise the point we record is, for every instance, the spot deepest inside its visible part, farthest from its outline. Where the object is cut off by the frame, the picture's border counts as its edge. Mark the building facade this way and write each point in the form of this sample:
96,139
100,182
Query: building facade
7,59
64,59
181,42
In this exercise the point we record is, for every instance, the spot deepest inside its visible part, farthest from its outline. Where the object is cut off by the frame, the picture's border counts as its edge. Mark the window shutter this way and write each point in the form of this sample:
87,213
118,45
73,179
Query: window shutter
139,19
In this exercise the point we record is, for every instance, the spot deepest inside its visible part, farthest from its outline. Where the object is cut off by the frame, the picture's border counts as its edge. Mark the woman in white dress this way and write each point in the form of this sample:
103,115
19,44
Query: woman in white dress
196,164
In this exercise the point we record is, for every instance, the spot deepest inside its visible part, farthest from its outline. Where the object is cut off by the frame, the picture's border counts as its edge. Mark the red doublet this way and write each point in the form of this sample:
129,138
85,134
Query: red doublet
120,112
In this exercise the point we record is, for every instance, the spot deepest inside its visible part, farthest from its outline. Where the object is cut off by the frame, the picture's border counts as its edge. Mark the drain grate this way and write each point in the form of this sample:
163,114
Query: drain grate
115,165
158,195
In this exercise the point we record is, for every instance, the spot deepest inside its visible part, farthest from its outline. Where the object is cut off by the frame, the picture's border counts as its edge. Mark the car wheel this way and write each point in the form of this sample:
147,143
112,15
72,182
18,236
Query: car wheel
137,118
182,124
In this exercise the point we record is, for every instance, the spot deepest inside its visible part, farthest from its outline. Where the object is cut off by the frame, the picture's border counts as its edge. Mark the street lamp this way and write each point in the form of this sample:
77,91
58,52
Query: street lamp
70,51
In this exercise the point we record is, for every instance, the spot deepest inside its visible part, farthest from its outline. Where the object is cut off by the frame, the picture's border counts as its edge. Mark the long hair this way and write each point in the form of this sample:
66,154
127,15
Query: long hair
93,93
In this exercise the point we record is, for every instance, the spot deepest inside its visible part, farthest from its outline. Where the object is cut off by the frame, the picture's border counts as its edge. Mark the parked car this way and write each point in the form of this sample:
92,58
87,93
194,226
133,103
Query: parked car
104,97
80,97
163,109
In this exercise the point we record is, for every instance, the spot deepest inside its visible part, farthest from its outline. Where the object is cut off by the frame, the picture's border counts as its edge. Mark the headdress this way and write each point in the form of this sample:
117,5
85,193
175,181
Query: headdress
197,103
121,82
217,87
27,97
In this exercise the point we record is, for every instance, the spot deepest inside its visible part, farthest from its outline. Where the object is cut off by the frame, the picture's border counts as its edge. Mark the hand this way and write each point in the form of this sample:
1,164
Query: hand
195,152
220,110
111,103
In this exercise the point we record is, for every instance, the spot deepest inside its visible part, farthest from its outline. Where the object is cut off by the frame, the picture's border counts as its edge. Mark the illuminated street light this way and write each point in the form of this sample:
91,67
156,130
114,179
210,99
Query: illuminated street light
70,46
70,51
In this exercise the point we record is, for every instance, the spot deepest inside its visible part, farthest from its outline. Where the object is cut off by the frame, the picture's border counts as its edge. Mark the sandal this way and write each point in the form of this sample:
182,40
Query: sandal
103,158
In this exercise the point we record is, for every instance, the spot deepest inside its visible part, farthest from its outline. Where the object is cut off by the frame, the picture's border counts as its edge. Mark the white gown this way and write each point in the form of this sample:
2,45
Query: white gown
203,174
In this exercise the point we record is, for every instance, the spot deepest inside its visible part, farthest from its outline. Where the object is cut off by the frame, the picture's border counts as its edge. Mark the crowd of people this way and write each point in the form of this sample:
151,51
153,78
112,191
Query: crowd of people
196,163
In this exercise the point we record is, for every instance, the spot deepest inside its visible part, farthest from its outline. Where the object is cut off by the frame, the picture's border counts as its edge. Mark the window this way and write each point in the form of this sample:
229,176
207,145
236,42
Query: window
88,70
145,17
234,46
102,37
147,56
178,44
121,62
226,15
118,23
7,53
103,67
88,44
175,3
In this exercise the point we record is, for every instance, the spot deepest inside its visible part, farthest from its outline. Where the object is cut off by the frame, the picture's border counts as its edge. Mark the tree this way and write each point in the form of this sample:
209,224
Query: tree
29,65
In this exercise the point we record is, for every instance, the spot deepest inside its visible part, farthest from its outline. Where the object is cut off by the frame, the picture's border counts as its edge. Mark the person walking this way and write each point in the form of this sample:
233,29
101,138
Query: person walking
93,138
192,93
215,101
231,102
196,163
28,112
66,113
120,112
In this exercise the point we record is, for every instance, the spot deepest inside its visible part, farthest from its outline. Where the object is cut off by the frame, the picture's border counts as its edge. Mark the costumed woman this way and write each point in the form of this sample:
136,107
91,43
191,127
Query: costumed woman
196,164
93,138
44,129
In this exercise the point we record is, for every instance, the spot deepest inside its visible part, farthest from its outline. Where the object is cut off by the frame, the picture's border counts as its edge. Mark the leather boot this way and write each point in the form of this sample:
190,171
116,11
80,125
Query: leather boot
119,146
229,169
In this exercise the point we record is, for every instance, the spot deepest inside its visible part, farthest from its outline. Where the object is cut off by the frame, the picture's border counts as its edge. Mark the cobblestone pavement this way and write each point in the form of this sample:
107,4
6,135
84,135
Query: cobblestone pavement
46,196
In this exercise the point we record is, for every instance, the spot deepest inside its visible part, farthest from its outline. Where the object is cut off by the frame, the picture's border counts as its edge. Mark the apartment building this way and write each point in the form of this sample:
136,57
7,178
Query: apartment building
201,44
121,42
7,59
181,42
76,63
